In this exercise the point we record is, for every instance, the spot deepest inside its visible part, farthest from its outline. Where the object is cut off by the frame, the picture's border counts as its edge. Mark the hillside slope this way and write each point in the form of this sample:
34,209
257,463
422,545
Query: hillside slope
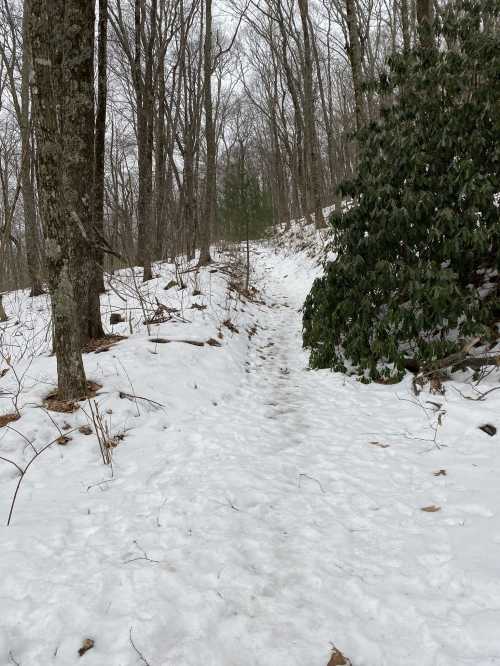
256,512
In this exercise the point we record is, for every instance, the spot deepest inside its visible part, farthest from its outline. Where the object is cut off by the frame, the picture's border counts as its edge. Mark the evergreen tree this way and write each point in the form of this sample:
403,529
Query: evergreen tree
246,207
417,266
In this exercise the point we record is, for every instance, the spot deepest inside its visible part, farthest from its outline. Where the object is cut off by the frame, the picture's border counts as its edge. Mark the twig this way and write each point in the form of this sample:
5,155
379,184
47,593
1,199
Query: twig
145,556
139,653
28,441
110,285
311,478
482,396
131,385
12,463
24,471
131,396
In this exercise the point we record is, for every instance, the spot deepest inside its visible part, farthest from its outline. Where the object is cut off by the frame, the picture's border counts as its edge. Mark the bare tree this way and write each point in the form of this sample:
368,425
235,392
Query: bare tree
311,139
210,200
16,56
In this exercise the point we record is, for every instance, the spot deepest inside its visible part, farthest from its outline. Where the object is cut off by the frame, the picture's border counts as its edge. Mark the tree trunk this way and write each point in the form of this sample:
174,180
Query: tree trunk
144,97
100,142
210,202
405,25
79,139
425,20
62,37
355,58
160,190
311,138
32,237
3,315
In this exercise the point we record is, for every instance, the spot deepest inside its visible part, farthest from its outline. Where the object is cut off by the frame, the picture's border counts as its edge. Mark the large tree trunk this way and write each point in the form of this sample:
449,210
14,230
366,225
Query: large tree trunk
32,237
79,146
210,202
62,34
100,143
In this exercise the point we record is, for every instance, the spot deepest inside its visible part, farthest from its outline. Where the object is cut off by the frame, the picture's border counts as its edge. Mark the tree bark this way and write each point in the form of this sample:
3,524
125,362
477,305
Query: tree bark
160,155
144,100
32,237
405,25
3,314
355,59
425,19
100,142
210,201
78,136
60,96
311,138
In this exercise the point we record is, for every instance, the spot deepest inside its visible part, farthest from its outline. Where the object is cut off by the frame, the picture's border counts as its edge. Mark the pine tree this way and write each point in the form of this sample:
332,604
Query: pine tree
417,267
246,207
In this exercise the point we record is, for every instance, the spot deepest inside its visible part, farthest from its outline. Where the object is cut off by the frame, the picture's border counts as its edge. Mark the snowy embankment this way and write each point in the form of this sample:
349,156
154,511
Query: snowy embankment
260,512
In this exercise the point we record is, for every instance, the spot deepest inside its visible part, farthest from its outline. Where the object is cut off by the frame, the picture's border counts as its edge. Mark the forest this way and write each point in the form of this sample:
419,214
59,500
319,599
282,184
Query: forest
249,332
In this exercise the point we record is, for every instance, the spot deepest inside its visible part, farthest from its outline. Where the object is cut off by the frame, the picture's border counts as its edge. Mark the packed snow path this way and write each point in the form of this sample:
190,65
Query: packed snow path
262,525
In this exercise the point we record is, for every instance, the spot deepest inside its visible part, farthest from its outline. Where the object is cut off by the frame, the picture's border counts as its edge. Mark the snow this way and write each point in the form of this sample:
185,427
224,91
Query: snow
262,514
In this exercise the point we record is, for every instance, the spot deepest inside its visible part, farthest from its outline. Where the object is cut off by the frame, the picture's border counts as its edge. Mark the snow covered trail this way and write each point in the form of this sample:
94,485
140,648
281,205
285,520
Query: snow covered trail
270,512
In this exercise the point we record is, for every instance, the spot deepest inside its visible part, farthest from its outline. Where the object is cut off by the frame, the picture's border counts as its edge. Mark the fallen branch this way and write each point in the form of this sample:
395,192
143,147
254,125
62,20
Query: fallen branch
164,341
129,396
457,360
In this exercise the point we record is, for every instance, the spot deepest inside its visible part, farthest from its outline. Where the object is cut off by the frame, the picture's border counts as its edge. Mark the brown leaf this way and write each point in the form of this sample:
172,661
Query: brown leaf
431,509
5,419
380,445
338,659
440,472
87,645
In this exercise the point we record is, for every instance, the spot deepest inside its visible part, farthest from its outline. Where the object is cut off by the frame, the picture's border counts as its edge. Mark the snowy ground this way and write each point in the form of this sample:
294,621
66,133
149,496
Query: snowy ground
264,513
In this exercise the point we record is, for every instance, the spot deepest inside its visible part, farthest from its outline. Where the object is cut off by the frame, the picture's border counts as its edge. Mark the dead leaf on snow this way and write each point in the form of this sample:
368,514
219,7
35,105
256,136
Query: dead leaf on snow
431,509
87,645
380,445
338,659
5,419
440,472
